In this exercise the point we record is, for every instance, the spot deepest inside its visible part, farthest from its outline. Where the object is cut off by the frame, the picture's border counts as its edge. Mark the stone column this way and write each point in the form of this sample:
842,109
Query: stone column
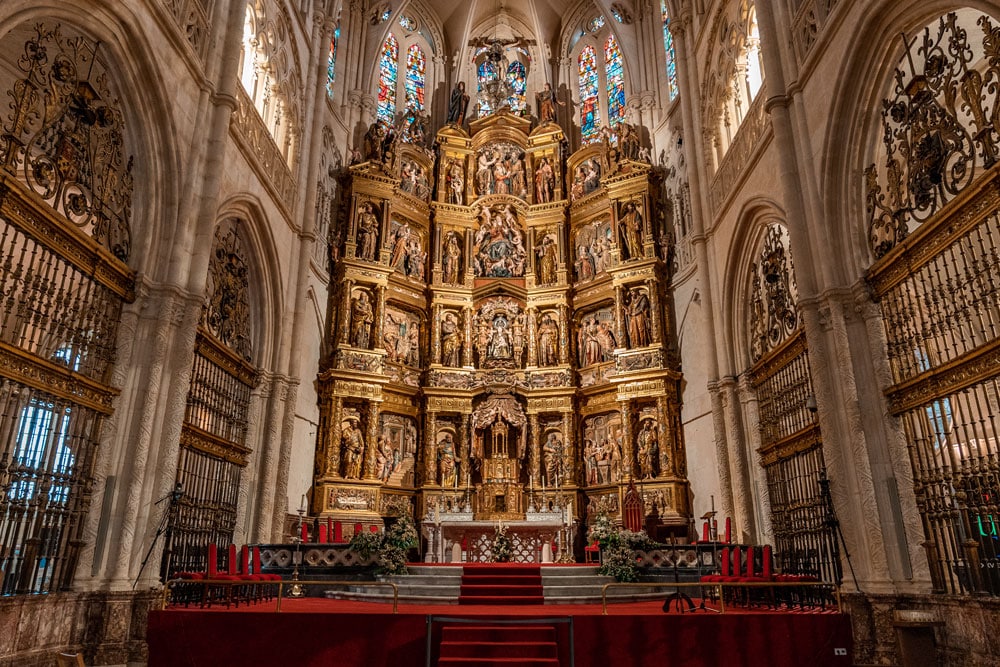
564,332
371,441
620,315
430,450
532,337
628,446
467,327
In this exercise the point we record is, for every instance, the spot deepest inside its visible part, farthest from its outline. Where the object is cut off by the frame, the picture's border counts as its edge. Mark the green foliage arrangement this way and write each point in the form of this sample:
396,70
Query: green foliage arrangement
503,549
389,547
618,545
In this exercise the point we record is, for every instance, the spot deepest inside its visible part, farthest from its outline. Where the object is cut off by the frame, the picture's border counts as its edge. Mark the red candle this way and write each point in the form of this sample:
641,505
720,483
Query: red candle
305,532
729,529
704,532
329,527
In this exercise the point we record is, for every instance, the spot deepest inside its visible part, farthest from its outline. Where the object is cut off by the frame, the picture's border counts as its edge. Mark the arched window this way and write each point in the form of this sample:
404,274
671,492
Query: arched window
755,69
590,112
517,75
331,61
616,81
485,73
668,48
415,75
387,64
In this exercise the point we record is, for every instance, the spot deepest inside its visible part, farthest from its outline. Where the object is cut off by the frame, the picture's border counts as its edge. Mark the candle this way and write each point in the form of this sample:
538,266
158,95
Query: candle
305,532
704,532
543,483
302,505
728,530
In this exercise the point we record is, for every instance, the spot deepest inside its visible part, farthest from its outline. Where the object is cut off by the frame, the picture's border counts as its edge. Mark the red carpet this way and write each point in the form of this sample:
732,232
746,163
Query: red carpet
501,584
316,632
484,645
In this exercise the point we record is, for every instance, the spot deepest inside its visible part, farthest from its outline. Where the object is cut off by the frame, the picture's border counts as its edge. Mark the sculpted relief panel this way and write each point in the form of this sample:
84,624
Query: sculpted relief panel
602,449
407,252
500,334
500,170
401,337
593,250
499,250
596,340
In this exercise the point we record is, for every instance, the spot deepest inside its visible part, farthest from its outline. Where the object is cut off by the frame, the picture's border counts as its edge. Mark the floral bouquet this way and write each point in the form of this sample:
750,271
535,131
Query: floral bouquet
503,549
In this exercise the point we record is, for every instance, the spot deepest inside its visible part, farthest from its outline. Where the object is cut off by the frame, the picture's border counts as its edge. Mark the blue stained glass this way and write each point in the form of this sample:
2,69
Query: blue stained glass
331,62
415,76
617,15
487,72
407,23
595,24
616,82
386,108
518,78
385,15
590,112
668,47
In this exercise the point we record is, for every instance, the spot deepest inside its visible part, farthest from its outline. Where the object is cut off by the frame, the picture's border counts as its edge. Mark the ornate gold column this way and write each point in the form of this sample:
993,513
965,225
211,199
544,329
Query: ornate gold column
465,447
569,448
535,450
379,317
628,444
564,329
532,337
332,468
620,315
655,332
667,438
436,335
467,327
430,450
371,440
345,313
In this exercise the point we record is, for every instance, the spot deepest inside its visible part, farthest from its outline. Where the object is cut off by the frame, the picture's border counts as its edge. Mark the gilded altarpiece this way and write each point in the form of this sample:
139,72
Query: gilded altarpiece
476,367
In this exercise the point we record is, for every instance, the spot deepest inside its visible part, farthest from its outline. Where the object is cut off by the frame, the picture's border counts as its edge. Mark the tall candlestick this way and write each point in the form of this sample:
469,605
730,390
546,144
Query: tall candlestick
302,505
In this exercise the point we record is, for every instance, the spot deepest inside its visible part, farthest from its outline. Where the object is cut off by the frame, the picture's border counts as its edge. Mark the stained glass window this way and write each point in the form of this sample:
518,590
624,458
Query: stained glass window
407,23
331,61
590,113
518,78
617,14
487,72
616,82
414,82
385,15
595,24
668,47
386,109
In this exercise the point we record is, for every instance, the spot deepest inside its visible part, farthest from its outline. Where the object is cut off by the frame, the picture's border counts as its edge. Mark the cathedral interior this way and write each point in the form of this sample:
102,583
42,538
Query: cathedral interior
499,260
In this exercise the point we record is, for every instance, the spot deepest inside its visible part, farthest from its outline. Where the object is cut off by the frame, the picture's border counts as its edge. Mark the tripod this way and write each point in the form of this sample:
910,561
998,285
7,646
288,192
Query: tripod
679,596
833,522
172,499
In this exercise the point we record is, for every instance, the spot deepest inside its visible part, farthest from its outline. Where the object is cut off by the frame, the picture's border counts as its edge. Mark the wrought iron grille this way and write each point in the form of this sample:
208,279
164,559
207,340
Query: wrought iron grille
936,232
792,456
213,438
65,200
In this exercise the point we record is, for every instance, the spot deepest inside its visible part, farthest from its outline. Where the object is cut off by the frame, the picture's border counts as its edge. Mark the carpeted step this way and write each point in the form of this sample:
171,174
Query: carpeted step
502,579
500,590
488,662
501,568
498,633
515,649
488,599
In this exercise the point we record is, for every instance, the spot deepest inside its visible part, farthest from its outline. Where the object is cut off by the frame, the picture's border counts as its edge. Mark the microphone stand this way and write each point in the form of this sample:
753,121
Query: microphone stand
833,522
172,499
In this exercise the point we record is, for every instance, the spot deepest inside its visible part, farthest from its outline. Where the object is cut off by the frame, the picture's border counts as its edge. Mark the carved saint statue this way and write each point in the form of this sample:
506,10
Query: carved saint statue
446,460
499,345
638,318
455,182
548,260
457,104
362,318
630,225
547,102
451,341
353,447
548,341
452,263
367,236
552,452
545,182
648,447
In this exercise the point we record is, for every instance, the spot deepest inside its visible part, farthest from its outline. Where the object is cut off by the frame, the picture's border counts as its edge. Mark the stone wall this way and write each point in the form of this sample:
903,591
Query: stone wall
966,637
108,628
